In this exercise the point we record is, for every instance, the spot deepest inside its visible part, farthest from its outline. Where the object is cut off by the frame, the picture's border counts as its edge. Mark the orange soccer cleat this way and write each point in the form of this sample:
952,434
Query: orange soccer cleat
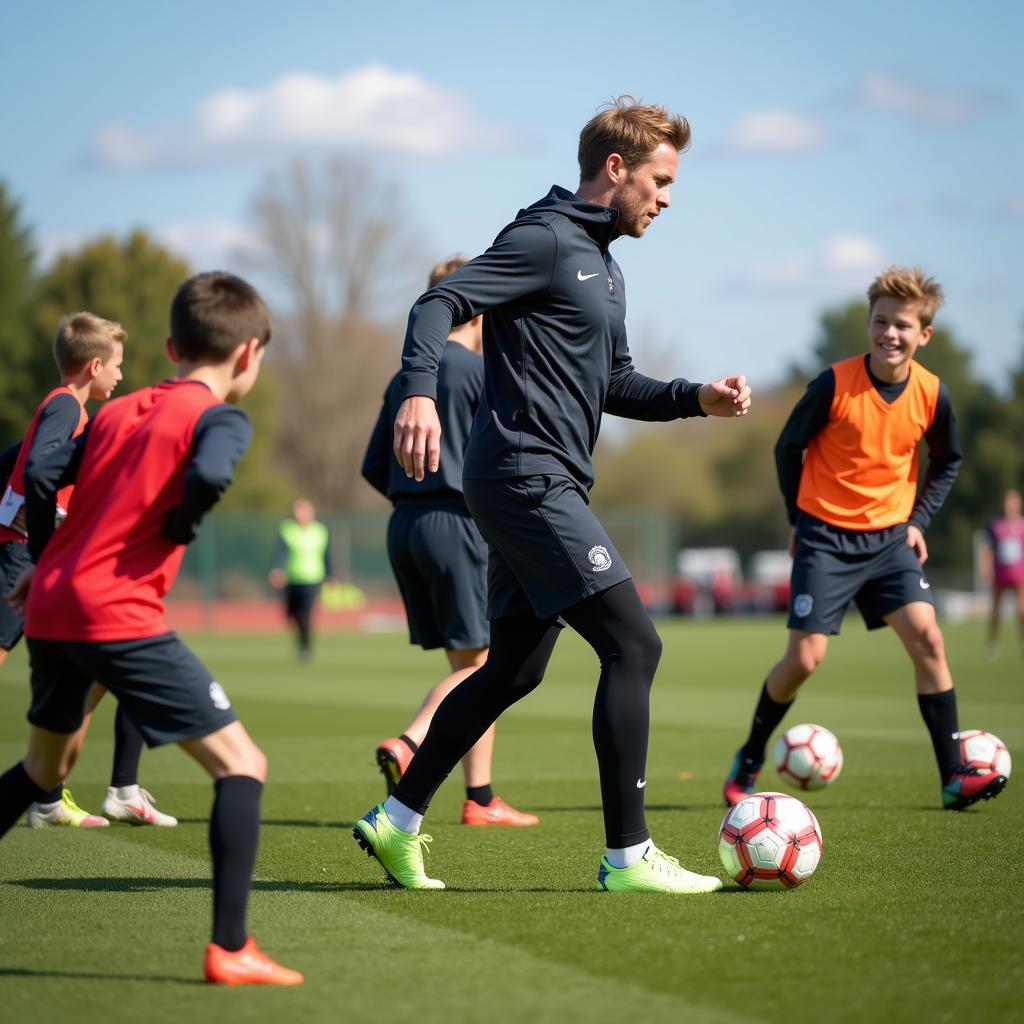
393,757
246,966
497,812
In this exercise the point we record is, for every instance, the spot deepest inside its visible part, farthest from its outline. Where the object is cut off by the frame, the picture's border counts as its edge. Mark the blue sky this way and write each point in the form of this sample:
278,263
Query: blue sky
828,142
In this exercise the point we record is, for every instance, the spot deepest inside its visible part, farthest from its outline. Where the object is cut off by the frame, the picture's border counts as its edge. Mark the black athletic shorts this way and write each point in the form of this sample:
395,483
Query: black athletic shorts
299,599
163,687
880,582
440,562
14,560
548,550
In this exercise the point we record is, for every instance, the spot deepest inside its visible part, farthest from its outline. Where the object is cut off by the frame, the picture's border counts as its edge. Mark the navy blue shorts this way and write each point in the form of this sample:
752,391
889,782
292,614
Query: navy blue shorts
825,582
440,562
548,550
14,561
163,687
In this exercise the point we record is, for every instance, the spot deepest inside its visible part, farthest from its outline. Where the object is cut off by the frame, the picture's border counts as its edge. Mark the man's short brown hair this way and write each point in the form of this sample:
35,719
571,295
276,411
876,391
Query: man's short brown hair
441,270
631,129
912,287
213,313
82,337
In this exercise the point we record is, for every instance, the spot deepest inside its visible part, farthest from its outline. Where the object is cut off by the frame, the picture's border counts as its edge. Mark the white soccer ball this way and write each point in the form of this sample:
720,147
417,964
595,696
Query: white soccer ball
809,756
770,841
980,749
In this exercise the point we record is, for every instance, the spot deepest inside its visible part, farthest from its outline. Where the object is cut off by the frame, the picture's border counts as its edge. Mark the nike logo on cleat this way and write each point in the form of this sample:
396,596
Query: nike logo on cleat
580,276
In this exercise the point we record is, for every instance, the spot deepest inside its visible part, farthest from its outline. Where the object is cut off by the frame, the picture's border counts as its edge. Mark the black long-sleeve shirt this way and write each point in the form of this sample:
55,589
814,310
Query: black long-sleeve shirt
810,415
555,351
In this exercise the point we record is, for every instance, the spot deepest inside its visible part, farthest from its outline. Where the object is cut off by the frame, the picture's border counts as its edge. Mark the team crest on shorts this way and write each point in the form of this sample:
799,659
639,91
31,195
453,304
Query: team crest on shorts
599,558
219,697
802,605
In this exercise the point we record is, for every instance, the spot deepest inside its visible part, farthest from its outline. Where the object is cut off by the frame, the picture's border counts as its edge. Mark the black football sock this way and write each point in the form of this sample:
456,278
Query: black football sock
481,795
127,751
17,791
52,796
939,713
411,744
767,716
234,836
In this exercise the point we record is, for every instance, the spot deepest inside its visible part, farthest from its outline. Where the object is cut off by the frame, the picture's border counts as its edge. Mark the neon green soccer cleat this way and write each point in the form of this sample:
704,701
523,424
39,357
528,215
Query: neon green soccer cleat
655,872
400,853
65,812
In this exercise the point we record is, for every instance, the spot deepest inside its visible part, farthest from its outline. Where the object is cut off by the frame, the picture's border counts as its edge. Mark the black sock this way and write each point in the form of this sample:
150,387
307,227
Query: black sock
52,796
234,836
17,791
766,718
939,713
481,795
411,744
127,751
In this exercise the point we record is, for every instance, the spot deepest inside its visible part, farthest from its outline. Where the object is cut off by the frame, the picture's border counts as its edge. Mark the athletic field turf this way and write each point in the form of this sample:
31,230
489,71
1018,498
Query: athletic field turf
915,914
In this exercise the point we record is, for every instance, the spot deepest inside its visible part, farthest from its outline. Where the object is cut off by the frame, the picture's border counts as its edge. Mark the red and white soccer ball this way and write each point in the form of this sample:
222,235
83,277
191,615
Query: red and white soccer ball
809,756
980,749
770,841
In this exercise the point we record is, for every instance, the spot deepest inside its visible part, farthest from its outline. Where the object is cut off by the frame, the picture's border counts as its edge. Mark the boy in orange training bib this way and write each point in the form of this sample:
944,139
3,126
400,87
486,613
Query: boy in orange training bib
859,521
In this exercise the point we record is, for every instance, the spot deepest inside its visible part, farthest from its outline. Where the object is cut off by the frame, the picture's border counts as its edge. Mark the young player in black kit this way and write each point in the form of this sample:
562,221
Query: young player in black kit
440,560
556,360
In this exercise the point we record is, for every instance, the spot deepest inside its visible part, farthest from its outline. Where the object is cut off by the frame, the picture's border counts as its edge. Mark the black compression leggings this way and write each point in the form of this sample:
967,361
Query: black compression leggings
616,625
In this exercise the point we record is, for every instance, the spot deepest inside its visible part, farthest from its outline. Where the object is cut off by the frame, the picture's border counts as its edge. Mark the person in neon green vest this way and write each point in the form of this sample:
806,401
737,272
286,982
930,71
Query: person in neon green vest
302,562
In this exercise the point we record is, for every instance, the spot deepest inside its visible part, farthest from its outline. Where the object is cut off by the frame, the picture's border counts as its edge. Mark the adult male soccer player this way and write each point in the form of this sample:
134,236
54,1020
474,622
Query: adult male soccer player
555,360
439,559
1005,564
148,468
859,522
302,561
88,351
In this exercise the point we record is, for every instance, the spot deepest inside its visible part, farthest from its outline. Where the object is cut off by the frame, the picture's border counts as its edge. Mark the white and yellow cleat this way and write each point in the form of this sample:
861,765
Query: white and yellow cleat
64,812
654,872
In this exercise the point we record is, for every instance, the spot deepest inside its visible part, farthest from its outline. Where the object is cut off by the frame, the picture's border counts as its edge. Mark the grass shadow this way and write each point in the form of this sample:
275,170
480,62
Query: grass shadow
137,885
25,972
280,822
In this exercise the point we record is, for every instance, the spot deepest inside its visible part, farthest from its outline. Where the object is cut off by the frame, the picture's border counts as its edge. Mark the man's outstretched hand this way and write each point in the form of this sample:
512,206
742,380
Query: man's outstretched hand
729,396
418,436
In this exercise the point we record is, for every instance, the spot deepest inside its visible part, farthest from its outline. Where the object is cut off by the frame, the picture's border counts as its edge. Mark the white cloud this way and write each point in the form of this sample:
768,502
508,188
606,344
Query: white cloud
842,262
1014,205
775,131
882,91
372,107
210,244
52,246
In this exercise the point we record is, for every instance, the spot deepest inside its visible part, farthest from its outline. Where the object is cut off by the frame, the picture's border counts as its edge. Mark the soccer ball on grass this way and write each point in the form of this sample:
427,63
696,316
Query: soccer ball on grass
809,756
770,841
980,749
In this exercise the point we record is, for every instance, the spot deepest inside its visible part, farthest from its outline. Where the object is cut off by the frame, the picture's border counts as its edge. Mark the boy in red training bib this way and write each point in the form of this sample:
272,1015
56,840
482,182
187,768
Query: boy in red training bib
146,470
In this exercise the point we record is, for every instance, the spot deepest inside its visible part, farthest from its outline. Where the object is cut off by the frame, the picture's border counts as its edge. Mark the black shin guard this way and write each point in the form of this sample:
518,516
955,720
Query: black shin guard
234,837
17,791
939,713
127,751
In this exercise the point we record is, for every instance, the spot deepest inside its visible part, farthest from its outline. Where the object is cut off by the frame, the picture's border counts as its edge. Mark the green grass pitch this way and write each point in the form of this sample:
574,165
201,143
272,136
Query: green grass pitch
913,915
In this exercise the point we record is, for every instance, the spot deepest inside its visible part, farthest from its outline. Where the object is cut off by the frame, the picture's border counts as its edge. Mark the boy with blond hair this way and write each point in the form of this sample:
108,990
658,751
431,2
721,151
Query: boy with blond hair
859,521
88,351
149,467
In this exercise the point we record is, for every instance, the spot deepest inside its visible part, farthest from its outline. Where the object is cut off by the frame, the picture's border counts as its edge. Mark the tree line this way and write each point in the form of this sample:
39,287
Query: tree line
345,266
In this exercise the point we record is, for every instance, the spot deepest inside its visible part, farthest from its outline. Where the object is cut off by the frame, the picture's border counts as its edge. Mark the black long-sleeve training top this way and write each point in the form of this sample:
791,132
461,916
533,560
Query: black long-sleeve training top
810,415
460,382
555,352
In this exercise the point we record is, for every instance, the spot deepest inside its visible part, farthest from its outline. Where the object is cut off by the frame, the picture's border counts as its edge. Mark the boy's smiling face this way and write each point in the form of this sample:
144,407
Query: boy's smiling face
895,332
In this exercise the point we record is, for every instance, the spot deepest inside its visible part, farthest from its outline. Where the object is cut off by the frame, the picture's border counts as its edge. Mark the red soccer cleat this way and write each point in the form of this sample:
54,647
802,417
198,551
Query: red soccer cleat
497,812
246,966
740,783
969,785
393,757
